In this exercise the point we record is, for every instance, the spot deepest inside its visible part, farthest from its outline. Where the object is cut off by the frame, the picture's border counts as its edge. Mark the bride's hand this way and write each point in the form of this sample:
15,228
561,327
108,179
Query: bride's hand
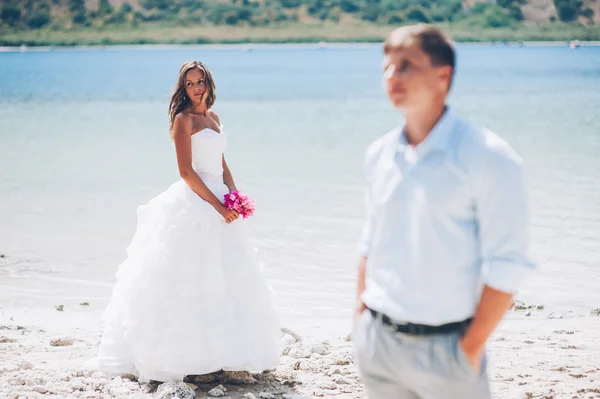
228,214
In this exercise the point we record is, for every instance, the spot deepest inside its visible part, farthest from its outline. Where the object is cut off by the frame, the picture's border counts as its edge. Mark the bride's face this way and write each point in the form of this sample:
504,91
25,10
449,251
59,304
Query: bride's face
195,85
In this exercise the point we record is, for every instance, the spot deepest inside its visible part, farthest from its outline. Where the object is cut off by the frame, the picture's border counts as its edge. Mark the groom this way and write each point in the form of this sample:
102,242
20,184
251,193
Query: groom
445,238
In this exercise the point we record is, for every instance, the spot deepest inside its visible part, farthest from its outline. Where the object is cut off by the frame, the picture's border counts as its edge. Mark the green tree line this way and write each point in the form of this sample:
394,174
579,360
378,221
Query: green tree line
36,14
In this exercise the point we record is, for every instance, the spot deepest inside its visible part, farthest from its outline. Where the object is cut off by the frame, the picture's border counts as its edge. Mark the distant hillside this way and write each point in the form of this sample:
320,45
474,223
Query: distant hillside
96,21
35,14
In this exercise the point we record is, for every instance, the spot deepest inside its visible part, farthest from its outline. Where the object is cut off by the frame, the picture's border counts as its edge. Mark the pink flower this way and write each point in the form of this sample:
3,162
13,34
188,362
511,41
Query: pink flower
240,203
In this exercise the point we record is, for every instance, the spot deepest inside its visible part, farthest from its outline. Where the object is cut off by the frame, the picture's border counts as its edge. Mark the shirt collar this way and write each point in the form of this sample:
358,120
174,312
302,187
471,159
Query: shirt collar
437,139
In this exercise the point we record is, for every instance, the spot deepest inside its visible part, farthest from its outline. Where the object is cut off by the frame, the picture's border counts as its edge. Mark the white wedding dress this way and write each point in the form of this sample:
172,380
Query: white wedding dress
190,298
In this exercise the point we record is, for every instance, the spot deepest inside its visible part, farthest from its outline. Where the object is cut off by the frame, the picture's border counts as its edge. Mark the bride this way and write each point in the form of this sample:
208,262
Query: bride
190,298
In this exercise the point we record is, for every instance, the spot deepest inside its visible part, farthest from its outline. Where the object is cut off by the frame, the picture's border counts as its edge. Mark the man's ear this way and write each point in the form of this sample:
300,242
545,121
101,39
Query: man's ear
445,73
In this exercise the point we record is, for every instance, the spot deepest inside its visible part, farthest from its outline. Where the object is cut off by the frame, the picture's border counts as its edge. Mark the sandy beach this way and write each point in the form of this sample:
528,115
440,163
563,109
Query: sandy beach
534,354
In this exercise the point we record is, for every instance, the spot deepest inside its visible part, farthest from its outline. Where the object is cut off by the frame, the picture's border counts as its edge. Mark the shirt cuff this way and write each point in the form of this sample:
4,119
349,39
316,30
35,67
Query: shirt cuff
507,276
364,249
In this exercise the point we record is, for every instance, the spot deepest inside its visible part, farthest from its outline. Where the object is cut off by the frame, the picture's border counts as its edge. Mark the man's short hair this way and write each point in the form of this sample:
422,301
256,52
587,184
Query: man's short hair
437,45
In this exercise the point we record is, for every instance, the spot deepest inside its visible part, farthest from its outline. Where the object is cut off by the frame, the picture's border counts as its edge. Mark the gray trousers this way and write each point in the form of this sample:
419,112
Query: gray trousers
401,366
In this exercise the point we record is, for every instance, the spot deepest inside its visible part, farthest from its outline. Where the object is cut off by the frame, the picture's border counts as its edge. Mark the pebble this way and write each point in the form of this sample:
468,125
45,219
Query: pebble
61,342
342,362
328,385
120,391
216,393
6,340
40,389
293,334
287,340
25,365
77,384
266,395
343,381
320,349
11,367
299,352
249,396
179,390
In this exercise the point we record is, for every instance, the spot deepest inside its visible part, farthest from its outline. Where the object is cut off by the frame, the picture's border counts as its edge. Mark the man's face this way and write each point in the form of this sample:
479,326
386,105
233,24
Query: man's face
411,80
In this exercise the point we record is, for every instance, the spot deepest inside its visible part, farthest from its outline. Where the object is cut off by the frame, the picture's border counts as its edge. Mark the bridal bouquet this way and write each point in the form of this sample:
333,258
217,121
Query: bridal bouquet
240,203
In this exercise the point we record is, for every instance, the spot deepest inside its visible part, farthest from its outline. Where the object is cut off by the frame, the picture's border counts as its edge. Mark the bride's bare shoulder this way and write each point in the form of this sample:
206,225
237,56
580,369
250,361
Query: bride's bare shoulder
214,115
182,124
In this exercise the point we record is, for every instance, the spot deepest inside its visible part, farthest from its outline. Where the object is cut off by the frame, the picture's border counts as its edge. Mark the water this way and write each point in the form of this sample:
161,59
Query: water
83,141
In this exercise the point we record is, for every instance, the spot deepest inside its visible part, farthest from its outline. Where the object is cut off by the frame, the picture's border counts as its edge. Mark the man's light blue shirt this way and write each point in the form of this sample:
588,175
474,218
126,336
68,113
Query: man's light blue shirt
443,218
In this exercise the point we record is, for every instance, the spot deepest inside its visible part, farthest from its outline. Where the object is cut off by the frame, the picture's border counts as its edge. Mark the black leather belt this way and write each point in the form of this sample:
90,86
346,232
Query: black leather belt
422,329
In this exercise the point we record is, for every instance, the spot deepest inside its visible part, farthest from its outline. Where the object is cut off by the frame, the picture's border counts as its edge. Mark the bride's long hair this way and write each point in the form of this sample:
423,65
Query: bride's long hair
180,100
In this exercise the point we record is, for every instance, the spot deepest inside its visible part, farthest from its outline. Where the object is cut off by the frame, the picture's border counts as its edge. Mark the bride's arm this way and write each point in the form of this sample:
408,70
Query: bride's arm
182,135
228,177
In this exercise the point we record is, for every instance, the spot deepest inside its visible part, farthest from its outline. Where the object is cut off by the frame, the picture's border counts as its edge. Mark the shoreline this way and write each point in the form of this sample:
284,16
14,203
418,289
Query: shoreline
43,354
266,45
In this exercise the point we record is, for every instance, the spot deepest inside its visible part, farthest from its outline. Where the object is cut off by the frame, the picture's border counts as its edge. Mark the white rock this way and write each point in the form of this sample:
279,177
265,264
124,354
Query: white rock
98,375
343,381
179,390
28,395
297,337
216,393
320,349
266,395
77,384
61,341
343,359
249,396
117,381
40,389
10,368
25,365
328,385
288,340
120,391
310,365
299,352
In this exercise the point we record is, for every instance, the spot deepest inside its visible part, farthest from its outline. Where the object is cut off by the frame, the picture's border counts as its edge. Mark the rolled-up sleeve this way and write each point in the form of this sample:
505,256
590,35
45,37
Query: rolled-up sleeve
503,221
